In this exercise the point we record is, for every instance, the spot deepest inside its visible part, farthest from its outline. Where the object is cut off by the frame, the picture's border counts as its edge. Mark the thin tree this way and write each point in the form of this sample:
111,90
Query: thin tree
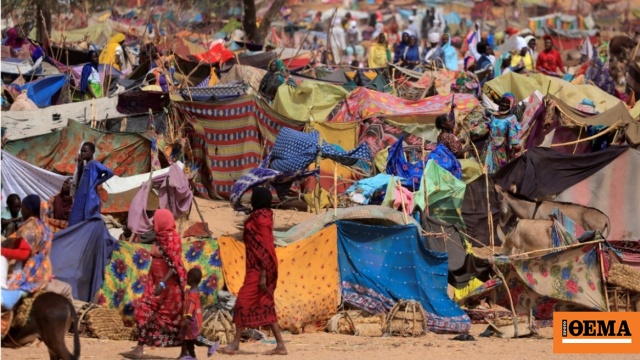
254,32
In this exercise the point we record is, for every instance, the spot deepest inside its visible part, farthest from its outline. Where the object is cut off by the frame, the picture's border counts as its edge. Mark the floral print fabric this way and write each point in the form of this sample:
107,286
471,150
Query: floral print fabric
126,275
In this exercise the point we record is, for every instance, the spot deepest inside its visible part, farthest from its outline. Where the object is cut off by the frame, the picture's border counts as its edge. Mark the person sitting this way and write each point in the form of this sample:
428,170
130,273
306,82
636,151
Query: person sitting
272,80
60,207
11,215
91,173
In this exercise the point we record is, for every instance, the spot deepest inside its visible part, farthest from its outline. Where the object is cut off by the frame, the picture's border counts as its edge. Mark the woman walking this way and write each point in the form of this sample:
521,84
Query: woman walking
505,134
255,306
158,313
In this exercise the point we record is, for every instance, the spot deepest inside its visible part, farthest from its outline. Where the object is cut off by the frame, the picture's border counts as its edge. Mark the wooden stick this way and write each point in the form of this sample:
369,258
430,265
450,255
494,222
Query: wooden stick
424,180
513,309
557,248
335,189
604,280
404,209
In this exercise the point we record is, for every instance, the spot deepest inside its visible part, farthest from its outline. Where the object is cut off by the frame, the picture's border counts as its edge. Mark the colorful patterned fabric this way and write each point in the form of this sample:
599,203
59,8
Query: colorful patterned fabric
259,176
380,265
36,271
295,150
124,154
307,291
569,280
363,104
505,135
446,159
399,166
599,74
445,194
126,274
231,138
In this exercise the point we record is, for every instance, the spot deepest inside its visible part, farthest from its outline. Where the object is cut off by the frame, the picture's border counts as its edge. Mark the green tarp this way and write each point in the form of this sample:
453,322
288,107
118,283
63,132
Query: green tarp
311,100
444,192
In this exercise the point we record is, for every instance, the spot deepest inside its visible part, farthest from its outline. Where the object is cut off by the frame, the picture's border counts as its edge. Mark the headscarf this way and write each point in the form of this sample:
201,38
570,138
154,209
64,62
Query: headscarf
521,43
261,198
169,244
377,32
108,54
497,69
86,72
32,203
62,206
529,38
468,62
450,56
512,103
12,39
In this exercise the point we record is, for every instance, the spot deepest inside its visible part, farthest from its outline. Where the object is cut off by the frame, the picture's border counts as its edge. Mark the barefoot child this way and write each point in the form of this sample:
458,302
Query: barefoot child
192,323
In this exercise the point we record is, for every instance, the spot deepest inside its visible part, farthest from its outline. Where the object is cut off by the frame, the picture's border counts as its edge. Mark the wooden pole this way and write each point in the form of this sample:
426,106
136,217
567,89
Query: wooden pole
404,212
335,189
604,280
424,180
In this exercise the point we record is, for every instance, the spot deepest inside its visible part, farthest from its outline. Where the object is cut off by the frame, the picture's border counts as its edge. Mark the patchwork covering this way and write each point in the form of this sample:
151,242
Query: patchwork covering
219,92
125,276
569,280
230,138
380,265
307,291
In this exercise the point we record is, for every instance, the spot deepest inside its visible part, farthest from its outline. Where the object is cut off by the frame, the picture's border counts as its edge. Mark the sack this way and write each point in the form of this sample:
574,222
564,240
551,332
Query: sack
218,326
407,318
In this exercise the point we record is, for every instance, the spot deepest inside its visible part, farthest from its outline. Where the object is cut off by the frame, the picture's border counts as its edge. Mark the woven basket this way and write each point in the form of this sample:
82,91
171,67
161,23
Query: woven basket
407,318
358,323
410,92
104,323
22,313
218,326
508,320
625,276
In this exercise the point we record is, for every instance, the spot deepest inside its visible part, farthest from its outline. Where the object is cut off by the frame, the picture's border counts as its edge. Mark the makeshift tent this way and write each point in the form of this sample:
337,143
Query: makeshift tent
307,292
126,274
230,138
21,178
19,124
569,280
42,91
445,194
363,104
474,211
380,265
124,154
311,100
542,172
614,190
79,255
522,86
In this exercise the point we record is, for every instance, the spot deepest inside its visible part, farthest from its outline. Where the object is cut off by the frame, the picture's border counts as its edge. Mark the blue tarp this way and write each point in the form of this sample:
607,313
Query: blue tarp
380,265
41,91
79,255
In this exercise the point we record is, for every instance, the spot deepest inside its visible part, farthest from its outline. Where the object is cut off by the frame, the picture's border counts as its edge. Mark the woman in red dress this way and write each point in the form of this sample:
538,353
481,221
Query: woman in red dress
158,313
255,306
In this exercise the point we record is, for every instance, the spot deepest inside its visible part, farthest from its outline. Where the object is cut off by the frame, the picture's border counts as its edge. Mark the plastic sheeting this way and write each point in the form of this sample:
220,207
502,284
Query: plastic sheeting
41,91
21,178
311,100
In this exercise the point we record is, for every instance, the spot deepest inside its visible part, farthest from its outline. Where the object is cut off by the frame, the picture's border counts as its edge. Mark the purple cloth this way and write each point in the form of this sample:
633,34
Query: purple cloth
178,192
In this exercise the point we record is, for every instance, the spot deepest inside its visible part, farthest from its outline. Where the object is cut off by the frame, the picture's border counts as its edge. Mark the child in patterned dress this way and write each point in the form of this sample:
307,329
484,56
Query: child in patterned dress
192,326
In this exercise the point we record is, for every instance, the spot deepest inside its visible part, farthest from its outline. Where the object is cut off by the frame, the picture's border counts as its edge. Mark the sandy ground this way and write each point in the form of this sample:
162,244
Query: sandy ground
224,221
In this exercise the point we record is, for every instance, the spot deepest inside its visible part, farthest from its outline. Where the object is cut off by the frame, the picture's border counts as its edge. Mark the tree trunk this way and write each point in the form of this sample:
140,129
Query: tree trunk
42,28
249,21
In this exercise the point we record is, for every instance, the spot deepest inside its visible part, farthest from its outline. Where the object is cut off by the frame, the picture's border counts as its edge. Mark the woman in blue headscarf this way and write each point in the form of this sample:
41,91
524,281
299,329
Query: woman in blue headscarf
505,134
399,50
411,55
90,79
450,53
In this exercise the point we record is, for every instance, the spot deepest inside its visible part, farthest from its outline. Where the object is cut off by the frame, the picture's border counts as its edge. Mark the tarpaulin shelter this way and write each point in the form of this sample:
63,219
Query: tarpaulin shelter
311,100
380,265
308,292
229,138
57,151
524,85
43,91
125,274
363,104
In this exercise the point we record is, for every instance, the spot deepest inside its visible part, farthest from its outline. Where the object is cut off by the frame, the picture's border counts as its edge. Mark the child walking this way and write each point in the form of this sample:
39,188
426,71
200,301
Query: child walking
192,323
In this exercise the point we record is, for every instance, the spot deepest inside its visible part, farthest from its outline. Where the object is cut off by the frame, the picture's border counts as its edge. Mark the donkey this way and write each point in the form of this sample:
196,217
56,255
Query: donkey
51,317
588,218
528,235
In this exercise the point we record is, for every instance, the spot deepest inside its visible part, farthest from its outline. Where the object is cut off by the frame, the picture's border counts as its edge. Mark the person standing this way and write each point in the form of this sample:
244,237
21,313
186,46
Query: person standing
255,305
192,323
505,134
91,173
549,60
159,312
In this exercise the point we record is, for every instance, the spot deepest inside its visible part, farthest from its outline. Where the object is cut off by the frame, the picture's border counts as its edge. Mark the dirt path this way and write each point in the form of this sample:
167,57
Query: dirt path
322,346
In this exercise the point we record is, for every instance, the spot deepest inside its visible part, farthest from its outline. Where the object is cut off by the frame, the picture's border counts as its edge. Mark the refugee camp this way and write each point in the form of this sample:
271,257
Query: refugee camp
330,179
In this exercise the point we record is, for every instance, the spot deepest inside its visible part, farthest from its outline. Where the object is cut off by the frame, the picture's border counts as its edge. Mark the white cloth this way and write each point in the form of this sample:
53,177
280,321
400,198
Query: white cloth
433,38
521,43
20,177
4,271
338,41
120,55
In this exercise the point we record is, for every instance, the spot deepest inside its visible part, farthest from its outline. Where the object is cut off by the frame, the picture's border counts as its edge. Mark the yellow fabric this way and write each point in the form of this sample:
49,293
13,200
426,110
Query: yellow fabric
377,56
635,111
344,135
310,198
371,75
527,59
307,292
459,294
311,100
98,32
381,160
522,86
471,170
213,78
108,54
